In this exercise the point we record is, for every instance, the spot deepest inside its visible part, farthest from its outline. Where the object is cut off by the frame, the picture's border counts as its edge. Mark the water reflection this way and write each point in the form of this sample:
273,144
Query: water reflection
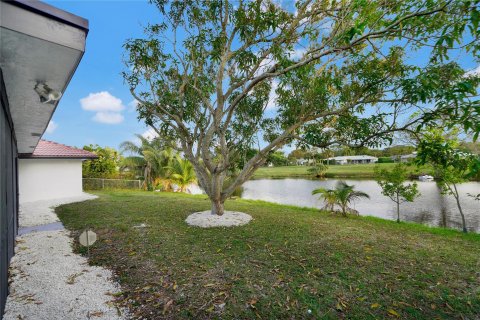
431,208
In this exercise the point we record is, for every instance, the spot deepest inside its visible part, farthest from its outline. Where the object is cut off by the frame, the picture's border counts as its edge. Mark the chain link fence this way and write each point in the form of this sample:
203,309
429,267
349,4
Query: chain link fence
101,184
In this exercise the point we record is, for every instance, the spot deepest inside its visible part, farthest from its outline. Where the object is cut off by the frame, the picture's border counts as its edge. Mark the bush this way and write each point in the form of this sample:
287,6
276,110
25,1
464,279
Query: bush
385,160
318,170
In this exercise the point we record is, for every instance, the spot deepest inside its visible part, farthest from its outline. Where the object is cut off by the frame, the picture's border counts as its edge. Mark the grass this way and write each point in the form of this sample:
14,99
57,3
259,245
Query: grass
334,171
288,263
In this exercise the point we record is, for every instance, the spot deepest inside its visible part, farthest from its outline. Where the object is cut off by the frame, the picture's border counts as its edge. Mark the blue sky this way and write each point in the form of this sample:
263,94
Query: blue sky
97,106
111,23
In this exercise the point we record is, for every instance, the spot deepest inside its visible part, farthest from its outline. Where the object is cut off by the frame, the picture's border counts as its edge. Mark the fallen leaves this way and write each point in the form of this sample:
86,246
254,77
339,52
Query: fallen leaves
167,306
251,303
341,304
96,314
276,267
393,313
71,279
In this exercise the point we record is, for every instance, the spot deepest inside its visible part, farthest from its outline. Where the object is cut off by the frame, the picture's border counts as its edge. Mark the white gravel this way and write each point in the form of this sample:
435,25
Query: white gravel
42,212
49,281
205,219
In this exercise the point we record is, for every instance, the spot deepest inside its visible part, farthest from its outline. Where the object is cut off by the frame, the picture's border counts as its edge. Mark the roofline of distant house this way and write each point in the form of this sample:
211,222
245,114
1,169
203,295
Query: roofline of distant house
51,12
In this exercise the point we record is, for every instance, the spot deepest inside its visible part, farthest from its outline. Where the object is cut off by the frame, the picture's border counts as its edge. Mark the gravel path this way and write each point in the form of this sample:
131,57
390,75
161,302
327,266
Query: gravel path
41,212
49,281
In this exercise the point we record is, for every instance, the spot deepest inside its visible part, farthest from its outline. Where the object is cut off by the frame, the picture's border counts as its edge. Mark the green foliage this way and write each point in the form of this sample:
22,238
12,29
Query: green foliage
329,197
342,195
385,160
205,74
451,165
297,154
442,151
393,185
318,170
105,166
277,159
182,173
151,159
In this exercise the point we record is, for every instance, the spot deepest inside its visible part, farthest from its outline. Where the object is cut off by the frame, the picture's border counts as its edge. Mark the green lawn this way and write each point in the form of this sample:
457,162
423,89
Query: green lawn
344,171
288,263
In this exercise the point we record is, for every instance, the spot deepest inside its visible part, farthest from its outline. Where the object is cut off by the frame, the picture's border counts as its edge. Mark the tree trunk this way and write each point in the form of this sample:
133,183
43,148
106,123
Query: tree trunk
457,198
344,210
218,207
398,209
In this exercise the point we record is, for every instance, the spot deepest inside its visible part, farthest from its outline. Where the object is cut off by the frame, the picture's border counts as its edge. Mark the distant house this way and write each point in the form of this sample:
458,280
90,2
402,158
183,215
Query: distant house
301,162
363,159
52,171
304,162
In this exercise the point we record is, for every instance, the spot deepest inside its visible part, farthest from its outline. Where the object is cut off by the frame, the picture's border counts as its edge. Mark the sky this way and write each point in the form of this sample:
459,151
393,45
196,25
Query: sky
97,107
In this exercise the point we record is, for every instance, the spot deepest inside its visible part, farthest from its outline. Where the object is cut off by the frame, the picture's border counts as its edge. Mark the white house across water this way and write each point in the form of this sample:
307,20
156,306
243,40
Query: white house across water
363,159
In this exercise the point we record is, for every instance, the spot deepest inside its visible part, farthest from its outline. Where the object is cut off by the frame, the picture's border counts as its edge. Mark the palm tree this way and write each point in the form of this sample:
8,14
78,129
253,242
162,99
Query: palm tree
329,197
151,158
182,173
343,195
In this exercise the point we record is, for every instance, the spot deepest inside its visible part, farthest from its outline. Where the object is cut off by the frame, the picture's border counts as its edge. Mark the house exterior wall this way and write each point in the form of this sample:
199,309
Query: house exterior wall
8,192
42,179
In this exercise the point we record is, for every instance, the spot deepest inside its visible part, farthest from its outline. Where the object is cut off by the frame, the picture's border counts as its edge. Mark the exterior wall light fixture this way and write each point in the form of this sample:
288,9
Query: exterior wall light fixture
47,94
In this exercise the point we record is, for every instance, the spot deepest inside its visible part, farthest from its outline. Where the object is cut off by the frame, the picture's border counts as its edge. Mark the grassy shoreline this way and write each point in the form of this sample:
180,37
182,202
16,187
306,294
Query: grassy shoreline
334,171
287,261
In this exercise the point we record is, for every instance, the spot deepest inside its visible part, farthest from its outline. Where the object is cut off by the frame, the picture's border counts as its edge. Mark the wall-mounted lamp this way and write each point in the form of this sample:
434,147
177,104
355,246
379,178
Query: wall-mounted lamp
47,95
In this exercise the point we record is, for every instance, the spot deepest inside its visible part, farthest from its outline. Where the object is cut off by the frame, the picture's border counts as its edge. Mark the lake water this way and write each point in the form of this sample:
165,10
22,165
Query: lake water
431,208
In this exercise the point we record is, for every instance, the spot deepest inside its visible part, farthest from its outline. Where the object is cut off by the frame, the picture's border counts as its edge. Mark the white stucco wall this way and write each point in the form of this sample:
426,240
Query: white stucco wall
42,179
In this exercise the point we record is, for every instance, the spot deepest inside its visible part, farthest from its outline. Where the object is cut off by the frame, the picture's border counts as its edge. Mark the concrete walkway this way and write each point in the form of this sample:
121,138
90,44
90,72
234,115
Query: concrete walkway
49,281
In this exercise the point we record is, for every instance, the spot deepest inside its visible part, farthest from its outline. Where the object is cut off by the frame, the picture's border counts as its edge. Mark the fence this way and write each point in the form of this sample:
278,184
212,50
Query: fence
100,184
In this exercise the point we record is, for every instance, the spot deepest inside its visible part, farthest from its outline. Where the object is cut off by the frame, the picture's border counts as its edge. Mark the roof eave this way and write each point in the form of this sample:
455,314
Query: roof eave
30,156
52,12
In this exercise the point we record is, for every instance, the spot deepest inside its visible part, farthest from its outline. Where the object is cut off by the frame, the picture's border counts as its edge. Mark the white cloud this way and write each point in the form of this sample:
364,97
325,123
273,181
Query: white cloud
133,104
150,134
102,101
272,99
52,126
298,53
107,107
108,117
473,72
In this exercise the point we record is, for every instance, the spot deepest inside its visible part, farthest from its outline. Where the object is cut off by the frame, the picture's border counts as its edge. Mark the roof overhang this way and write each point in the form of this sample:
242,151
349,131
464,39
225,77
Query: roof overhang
30,157
39,44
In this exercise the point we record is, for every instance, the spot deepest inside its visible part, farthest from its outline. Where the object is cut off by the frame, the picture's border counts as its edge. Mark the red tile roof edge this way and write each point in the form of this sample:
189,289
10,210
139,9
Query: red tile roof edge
53,150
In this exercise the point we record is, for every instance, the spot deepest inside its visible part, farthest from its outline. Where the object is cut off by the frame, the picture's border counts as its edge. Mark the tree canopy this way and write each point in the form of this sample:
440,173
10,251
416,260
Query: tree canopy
105,166
452,166
394,186
224,76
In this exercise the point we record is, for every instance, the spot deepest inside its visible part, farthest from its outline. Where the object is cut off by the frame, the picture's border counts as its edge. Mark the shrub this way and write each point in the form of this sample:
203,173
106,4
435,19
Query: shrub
385,160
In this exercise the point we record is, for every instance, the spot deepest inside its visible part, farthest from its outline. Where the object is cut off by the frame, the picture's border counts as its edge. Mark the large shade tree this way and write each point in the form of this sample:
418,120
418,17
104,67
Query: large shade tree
338,72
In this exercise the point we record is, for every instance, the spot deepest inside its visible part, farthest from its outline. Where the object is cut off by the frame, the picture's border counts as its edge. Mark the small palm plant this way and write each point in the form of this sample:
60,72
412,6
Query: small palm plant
329,198
342,195
182,173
